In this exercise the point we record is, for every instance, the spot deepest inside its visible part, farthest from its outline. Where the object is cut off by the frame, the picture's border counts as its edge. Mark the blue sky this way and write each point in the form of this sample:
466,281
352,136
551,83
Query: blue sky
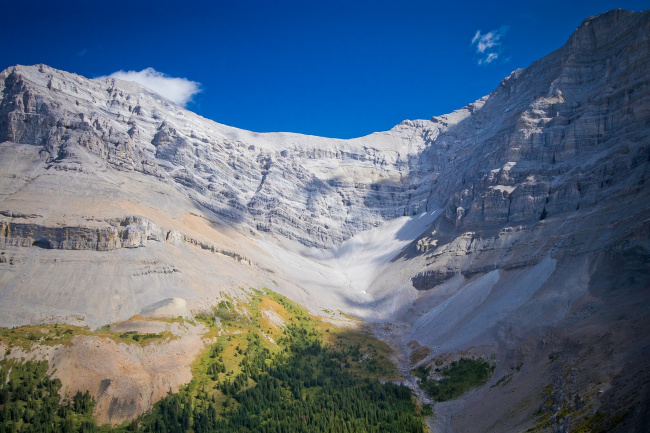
331,68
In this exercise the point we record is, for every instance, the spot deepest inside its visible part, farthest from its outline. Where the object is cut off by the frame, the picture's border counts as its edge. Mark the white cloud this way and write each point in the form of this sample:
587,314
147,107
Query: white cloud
177,90
490,57
488,45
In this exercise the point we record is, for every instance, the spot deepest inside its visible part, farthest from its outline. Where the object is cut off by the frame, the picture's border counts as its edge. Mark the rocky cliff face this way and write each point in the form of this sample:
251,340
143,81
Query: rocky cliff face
314,190
565,140
504,158
522,221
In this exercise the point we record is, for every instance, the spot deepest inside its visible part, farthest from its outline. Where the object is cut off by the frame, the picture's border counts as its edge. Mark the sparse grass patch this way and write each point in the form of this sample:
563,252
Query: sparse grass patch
361,352
600,422
419,354
542,422
26,337
104,329
503,381
134,336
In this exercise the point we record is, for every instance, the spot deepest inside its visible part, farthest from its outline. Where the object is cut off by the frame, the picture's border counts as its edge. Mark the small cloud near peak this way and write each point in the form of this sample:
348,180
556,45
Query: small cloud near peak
488,45
178,90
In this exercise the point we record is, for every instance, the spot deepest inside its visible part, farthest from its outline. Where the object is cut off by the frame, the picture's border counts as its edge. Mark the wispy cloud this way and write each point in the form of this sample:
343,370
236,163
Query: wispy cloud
177,90
488,45
82,52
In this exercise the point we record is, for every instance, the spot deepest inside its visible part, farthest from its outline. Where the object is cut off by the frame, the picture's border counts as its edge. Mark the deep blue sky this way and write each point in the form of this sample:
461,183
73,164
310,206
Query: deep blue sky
331,68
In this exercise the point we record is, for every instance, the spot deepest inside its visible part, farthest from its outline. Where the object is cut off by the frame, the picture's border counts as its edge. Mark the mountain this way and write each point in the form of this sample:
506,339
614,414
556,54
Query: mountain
515,229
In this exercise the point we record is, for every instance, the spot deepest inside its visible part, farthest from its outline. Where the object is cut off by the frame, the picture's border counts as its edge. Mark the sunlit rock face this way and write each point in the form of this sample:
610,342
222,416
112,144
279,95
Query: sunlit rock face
315,190
552,163
551,138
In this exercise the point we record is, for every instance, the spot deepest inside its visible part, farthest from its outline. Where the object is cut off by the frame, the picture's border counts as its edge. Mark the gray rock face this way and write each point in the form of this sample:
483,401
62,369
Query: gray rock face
130,232
107,235
512,156
317,191
562,143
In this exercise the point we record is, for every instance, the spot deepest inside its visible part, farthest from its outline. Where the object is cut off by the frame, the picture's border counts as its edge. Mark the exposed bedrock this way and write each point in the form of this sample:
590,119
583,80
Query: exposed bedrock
548,140
107,235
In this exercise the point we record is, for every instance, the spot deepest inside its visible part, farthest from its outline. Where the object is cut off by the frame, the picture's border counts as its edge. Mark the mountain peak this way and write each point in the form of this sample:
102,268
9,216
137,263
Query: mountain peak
606,29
